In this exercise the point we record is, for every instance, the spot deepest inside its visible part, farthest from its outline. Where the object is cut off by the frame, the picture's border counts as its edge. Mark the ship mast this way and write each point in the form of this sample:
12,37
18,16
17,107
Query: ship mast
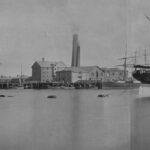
135,57
21,76
125,65
145,57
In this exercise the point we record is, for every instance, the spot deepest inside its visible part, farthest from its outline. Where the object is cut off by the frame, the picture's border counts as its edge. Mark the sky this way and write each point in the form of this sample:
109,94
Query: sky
32,29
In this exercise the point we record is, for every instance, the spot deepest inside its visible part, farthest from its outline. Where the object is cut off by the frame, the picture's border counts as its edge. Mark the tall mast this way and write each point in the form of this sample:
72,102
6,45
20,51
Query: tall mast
125,64
21,76
145,57
135,57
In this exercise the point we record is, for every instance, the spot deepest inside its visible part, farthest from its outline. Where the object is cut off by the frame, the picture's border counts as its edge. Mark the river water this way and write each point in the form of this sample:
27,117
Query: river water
75,120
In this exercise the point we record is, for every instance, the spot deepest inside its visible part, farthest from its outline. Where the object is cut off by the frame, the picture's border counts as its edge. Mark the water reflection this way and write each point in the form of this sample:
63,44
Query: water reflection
140,124
75,121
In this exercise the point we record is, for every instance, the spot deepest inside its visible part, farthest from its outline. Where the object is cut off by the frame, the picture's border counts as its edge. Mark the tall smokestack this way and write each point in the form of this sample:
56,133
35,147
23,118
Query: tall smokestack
75,52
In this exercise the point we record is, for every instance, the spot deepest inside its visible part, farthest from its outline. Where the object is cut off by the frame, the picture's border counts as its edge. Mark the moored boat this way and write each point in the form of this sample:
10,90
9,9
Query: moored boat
142,73
120,85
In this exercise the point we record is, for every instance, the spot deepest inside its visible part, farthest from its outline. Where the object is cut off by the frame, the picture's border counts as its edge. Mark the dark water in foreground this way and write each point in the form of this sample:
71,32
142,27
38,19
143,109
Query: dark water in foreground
75,120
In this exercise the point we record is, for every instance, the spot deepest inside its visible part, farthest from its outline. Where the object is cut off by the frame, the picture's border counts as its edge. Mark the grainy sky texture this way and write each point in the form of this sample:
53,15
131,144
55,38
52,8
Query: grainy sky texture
32,29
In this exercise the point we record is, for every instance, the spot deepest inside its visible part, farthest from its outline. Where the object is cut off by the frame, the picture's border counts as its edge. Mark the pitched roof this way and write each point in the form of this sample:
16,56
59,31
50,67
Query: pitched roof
112,69
47,63
44,63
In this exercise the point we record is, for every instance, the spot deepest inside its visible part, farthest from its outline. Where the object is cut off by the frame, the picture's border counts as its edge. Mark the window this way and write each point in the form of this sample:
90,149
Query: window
97,74
80,77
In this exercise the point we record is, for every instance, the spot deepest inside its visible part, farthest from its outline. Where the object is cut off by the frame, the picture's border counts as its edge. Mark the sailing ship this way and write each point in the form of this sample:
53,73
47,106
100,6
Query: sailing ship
142,72
126,82
18,81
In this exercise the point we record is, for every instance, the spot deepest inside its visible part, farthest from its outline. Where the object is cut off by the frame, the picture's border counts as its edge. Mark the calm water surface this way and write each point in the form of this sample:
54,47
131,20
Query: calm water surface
75,120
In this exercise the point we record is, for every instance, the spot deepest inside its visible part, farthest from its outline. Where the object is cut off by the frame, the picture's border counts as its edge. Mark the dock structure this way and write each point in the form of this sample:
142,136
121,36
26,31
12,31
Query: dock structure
5,85
88,84
82,84
42,85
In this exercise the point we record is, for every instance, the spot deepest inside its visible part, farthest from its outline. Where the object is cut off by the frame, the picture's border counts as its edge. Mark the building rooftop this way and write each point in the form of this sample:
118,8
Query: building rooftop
82,68
44,63
112,69
47,63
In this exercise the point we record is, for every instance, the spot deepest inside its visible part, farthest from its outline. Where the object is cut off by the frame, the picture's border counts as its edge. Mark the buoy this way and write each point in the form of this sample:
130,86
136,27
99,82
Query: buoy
51,96
103,95
2,95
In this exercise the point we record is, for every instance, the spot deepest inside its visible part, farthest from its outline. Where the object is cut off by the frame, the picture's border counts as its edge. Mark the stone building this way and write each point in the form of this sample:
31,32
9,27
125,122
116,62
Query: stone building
73,74
114,74
45,71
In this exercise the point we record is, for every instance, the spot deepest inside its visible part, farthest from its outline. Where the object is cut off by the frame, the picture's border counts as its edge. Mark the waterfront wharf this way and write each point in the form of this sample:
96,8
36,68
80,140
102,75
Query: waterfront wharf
5,85
42,85
81,84
88,84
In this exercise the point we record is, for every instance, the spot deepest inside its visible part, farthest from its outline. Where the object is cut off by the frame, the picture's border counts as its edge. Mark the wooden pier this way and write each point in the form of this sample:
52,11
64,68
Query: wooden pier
42,85
88,84
54,85
5,85
83,84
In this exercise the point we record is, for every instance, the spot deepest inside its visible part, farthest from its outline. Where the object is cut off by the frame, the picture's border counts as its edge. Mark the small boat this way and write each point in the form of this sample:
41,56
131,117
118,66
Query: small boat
2,95
10,96
51,96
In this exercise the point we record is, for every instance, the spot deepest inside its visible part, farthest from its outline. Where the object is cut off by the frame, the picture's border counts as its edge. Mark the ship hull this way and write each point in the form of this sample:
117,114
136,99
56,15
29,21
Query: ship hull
119,85
143,77
144,90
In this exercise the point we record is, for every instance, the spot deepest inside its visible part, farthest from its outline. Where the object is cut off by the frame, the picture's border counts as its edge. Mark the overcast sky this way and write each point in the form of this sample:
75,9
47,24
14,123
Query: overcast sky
32,29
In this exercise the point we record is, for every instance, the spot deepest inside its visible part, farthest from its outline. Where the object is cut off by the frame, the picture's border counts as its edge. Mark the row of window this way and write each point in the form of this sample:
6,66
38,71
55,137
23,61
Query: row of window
107,74
97,74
